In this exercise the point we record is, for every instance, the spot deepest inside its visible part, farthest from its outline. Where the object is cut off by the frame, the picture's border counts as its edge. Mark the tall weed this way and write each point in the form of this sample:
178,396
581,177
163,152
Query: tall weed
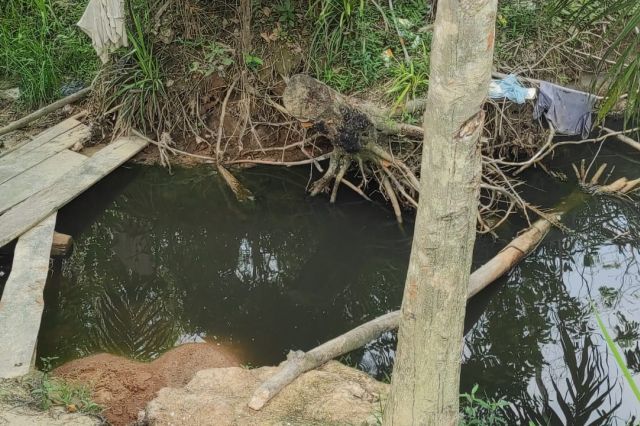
41,48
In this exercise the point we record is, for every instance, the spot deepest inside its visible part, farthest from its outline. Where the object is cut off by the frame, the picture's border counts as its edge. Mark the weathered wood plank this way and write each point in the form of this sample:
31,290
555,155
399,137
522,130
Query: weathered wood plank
19,162
24,185
61,245
22,217
22,299
43,137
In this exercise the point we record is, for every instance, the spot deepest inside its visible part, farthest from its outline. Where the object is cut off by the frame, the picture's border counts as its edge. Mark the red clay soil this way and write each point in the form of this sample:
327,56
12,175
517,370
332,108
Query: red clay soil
124,386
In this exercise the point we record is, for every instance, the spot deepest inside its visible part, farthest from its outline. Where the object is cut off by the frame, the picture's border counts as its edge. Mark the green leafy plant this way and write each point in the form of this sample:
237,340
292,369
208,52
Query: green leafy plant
253,62
48,392
623,77
617,355
286,13
408,81
41,48
217,58
476,411
135,85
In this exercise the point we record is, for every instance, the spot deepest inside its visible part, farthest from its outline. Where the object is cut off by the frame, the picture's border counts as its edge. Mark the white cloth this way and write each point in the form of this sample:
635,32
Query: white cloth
104,22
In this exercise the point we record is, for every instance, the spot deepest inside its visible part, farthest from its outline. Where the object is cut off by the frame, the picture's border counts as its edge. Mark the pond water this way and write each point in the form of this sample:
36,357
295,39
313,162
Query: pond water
160,260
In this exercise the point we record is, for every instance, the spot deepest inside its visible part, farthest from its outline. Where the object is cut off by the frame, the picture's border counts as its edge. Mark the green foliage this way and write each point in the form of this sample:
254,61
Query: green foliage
41,48
623,77
253,62
408,80
41,391
52,392
518,19
617,355
217,58
355,45
137,88
476,411
286,13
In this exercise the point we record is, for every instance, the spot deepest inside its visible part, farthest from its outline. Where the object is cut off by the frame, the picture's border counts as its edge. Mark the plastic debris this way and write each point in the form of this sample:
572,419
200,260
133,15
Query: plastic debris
510,88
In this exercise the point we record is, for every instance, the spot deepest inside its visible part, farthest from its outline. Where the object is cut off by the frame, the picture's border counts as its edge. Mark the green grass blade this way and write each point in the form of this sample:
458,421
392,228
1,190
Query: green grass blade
616,354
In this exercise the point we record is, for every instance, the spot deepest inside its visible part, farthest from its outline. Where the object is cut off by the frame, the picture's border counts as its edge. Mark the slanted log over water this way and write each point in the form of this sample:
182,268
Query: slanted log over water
299,362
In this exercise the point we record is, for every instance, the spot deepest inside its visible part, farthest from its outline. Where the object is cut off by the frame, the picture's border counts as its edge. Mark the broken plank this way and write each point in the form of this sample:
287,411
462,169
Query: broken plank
61,245
22,301
14,164
22,217
41,138
24,185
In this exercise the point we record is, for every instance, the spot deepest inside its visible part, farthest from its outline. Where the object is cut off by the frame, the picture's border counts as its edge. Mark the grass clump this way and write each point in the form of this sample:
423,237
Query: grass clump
40,391
476,411
41,49
359,45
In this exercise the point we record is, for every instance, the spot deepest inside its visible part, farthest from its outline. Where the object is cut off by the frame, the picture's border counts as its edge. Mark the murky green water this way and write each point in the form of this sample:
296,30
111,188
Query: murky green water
161,260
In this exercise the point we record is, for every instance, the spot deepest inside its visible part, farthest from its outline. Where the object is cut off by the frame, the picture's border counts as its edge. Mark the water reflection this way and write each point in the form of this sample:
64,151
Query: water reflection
582,398
163,260
542,317
164,263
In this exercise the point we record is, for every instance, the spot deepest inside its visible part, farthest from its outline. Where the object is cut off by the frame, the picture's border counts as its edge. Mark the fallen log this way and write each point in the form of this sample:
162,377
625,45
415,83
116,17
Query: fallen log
355,129
18,124
348,123
299,362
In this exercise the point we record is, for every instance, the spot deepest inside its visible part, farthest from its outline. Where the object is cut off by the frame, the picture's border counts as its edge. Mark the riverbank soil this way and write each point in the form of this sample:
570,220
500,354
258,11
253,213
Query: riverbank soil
334,394
23,416
123,387
18,406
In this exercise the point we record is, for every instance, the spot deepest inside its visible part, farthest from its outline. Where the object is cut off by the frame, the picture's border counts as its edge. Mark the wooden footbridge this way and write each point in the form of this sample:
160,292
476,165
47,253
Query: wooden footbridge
36,180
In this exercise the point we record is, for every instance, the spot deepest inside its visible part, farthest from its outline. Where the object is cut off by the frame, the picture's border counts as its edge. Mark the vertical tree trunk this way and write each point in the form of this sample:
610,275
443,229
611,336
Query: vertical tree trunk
426,375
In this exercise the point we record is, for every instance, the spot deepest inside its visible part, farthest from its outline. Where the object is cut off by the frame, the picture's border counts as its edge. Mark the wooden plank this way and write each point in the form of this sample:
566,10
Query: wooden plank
22,299
18,162
41,138
23,186
22,217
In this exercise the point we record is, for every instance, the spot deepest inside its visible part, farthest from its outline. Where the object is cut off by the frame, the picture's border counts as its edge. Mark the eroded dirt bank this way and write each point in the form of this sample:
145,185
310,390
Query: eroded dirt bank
124,386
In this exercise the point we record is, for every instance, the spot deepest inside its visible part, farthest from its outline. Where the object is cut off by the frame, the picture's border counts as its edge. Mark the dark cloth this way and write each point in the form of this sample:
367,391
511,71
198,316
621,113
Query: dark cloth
569,111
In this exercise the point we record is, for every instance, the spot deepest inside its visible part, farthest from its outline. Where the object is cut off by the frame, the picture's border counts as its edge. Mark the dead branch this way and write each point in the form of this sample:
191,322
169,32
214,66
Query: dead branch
241,192
623,138
18,124
223,112
281,163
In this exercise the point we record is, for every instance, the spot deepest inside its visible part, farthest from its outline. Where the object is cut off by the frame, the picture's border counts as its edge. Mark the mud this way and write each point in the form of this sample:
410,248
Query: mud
124,386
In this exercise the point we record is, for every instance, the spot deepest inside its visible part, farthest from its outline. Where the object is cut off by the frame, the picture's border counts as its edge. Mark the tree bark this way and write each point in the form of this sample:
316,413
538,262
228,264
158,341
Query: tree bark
426,376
